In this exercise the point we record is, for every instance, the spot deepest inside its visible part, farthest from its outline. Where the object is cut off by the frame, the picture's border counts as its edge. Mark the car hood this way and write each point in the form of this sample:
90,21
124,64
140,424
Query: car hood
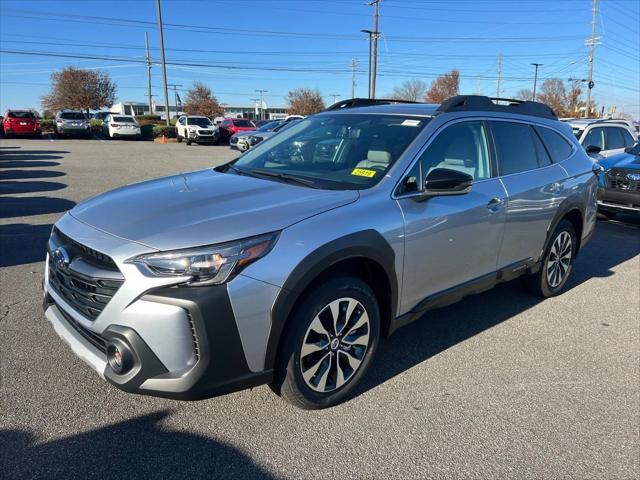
246,134
621,160
199,127
204,207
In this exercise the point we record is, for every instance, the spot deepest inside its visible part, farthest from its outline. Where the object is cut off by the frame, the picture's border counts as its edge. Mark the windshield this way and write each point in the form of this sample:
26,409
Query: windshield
21,115
124,119
243,123
339,151
72,116
199,121
267,127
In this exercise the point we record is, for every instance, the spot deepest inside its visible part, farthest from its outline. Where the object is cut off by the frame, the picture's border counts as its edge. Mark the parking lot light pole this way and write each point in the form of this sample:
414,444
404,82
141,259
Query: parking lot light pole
261,92
535,79
370,33
164,65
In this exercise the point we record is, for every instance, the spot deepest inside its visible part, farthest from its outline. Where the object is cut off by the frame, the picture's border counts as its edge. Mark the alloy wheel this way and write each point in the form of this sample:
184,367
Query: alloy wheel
559,259
335,345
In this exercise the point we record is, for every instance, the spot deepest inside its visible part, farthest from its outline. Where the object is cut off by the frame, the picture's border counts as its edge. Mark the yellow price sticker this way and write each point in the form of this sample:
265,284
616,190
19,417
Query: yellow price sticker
363,172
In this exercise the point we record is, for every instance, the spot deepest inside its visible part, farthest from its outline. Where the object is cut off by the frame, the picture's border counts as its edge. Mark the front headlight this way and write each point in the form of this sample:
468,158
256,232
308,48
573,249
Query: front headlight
254,140
210,265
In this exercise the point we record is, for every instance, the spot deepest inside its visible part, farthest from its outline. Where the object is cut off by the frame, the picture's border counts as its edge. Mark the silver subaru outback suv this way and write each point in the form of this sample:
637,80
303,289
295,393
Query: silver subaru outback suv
287,265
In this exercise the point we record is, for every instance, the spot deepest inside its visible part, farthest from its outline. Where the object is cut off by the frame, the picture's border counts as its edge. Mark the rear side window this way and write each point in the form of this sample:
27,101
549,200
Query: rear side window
557,146
515,147
614,138
595,137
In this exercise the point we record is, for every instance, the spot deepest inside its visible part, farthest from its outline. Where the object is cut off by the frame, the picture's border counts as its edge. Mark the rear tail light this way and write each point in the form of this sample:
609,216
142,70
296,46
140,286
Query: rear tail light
114,125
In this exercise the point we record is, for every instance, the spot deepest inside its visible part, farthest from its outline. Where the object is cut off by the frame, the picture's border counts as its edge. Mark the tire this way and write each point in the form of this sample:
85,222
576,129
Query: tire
330,361
187,141
179,138
555,268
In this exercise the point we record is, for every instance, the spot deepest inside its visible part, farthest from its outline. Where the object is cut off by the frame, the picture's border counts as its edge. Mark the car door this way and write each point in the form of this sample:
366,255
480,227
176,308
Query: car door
450,240
535,187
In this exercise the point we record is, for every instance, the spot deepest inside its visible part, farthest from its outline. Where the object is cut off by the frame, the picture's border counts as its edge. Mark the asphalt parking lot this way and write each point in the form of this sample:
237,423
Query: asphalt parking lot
499,385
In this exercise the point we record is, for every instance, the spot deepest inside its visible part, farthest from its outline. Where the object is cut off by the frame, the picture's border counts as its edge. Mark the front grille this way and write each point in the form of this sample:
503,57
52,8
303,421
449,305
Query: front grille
90,279
233,140
204,132
92,337
617,179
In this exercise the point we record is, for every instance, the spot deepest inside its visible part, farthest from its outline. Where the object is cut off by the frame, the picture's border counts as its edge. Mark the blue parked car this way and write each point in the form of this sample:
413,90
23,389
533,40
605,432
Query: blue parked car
619,185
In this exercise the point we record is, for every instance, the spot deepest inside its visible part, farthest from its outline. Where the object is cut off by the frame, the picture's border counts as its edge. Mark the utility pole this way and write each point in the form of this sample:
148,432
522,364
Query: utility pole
146,43
335,96
375,47
353,78
370,33
164,65
499,75
535,79
261,92
175,94
592,44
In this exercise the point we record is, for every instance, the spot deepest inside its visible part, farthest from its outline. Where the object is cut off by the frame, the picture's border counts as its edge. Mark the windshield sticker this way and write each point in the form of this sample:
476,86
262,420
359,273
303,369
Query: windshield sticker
411,123
363,172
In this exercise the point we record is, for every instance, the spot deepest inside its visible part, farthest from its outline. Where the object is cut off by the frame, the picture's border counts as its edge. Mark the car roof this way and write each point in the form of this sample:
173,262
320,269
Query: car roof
417,109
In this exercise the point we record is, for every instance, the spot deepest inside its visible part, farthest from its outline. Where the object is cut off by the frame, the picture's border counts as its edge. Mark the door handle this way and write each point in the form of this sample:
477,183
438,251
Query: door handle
495,203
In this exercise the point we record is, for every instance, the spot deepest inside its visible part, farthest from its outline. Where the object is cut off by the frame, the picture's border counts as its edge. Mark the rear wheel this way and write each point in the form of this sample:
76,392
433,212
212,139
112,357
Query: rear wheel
330,341
557,262
179,138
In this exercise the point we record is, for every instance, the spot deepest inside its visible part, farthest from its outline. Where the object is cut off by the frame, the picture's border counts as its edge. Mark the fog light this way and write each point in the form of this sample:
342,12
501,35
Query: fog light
119,357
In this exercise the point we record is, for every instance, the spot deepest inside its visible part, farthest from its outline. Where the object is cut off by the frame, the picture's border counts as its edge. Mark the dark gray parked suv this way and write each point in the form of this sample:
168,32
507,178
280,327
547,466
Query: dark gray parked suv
287,265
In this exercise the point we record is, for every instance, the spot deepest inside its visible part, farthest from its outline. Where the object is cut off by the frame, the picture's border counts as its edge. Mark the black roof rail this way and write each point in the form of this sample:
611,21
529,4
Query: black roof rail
470,103
364,102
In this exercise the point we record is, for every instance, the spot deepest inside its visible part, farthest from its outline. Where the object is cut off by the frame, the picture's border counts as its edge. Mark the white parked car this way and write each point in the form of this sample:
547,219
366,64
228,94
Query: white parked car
123,126
603,136
196,129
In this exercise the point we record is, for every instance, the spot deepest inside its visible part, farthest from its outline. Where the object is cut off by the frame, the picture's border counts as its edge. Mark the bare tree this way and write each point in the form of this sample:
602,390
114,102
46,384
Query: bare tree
200,101
304,101
412,90
81,89
524,94
443,87
572,101
553,93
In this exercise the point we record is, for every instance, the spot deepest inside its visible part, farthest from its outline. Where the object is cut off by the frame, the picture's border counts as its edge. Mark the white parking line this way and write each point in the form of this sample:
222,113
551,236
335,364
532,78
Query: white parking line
51,138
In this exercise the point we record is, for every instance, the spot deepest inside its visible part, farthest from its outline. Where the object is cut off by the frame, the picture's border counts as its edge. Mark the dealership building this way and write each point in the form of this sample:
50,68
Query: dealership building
251,112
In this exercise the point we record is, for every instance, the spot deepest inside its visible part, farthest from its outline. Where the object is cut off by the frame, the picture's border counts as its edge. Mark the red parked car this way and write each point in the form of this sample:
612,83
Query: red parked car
229,126
20,122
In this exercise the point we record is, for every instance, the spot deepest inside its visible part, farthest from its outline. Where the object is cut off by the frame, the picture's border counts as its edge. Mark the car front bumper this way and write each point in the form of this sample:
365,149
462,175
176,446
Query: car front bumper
618,200
185,343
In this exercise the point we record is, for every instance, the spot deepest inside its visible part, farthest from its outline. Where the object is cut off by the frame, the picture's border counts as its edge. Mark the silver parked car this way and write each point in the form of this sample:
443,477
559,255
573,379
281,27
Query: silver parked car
240,140
603,137
287,265
71,122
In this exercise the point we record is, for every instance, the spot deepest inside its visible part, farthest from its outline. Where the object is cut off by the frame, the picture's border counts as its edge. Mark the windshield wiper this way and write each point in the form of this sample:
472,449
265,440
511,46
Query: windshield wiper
286,177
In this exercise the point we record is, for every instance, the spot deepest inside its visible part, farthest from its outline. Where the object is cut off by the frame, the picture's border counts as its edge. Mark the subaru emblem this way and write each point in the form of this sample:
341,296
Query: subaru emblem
633,176
60,258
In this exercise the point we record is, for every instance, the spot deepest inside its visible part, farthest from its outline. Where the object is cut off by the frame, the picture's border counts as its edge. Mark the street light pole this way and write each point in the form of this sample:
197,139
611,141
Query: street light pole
261,92
370,33
375,48
164,65
535,79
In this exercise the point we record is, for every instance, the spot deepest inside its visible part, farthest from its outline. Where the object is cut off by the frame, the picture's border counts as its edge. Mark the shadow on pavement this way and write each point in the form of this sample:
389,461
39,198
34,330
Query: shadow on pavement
27,206
23,243
18,174
137,448
12,187
612,244
28,163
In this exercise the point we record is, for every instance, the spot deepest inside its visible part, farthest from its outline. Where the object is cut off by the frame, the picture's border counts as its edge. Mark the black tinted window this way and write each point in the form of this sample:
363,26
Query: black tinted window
628,138
541,152
614,138
515,147
595,138
558,147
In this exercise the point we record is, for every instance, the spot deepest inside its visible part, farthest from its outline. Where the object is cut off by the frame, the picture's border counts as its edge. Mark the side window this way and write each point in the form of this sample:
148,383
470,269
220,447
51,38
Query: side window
462,147
183,121
628,138
515,147
594,137
541,153
558,147
614,138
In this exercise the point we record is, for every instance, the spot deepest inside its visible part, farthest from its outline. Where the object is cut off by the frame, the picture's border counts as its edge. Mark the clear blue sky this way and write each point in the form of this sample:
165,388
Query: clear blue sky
283,44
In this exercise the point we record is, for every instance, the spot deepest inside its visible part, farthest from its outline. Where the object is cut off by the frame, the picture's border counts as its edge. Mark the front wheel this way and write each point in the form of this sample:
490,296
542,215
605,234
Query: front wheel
557,262
329,343
187,141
